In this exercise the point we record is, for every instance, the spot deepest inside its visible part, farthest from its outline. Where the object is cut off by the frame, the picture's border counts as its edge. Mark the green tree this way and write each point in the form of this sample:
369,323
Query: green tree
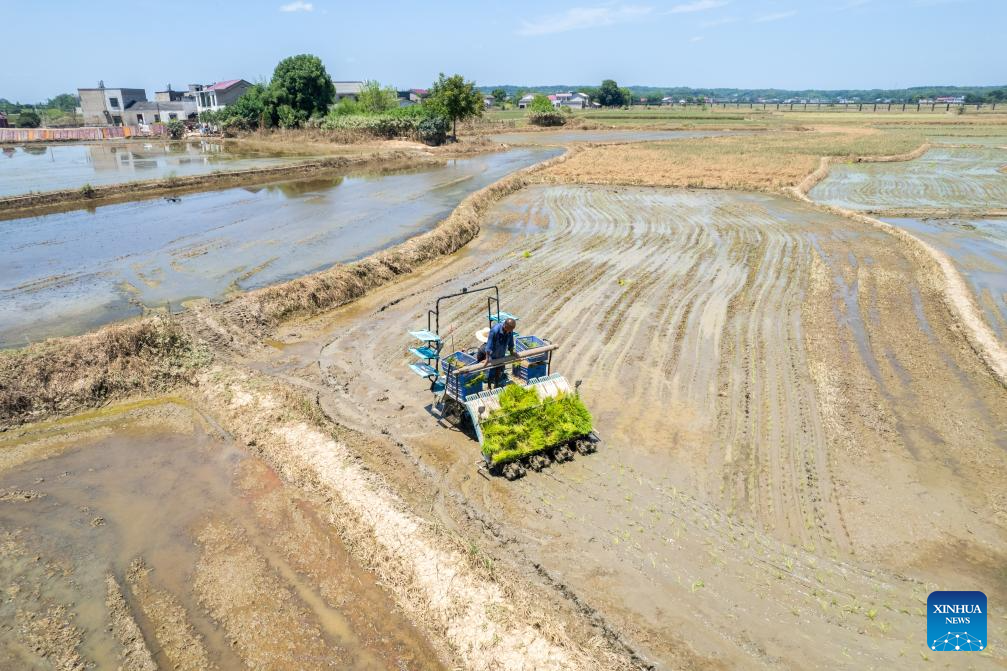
301,84
627,97
610,95
541,103
456,99
176,129
28,118
252,110
65,102
499,97
374,99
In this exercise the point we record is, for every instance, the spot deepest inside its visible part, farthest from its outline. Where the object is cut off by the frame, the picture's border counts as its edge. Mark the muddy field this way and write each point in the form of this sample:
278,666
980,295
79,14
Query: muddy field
798,446
781,451
953,178
145,538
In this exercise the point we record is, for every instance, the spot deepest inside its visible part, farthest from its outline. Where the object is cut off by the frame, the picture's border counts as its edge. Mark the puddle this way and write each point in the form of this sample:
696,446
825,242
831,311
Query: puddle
48,167
568,136
68,272
147,492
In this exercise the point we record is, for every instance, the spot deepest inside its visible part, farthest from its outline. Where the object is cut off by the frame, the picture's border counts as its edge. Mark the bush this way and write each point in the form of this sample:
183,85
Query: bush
550,118
175,128
27,118
524,426
414,122
433,130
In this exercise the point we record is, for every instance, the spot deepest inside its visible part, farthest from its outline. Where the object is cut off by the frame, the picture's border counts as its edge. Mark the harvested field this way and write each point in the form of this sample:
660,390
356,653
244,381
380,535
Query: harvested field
762,161
777,442
943,178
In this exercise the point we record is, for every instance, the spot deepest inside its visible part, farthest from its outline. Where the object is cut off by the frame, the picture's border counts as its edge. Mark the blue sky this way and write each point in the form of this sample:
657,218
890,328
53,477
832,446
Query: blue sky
52,46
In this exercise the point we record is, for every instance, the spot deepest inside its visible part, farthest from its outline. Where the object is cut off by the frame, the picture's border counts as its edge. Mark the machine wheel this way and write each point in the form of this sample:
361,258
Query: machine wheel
513,470
584,446
538,461
562,453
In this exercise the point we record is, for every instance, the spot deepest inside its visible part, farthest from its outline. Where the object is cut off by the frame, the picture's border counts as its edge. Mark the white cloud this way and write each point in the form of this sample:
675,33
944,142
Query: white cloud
297,6
697,6
778,16
697,38
578,18
720,22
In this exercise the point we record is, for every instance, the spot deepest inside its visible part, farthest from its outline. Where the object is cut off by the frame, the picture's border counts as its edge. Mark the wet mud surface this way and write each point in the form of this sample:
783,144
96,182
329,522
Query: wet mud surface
793,432
47,167
946,178
155,542
90,268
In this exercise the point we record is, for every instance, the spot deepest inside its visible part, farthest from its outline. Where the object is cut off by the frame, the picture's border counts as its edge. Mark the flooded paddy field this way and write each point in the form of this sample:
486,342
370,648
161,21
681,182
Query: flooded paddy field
793,439
978,248
944,178
64,273
51,167
148,539
572,136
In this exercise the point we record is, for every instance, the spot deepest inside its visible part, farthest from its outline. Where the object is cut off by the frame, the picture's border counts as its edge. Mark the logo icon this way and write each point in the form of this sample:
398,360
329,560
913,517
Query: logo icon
956,621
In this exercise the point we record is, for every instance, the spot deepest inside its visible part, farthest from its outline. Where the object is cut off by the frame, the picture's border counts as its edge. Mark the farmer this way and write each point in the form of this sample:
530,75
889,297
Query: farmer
499,343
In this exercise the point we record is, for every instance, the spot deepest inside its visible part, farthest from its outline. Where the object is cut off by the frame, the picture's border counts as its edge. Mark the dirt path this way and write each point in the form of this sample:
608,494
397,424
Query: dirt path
795,434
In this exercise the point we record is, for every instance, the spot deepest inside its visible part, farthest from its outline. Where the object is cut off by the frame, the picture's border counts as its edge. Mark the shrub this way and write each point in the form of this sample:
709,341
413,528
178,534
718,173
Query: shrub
525,425
175,128
550,118
27,118
433,130
87,191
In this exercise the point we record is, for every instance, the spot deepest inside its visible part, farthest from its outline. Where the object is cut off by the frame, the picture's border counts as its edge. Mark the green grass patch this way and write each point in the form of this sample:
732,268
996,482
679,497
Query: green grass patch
524,425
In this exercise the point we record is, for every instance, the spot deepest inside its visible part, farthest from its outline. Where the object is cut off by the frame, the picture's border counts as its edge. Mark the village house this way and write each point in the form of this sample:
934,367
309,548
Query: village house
411,97
217,96
105,106
571,99
349,90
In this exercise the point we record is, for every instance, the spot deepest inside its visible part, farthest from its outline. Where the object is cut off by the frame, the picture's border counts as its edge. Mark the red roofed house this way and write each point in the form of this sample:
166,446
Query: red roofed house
219,95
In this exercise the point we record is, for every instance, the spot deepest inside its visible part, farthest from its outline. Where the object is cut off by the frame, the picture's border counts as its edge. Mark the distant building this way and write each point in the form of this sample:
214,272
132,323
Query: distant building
105,106
573,100
3,120
411,97
349,90
217,96
146,112
488,101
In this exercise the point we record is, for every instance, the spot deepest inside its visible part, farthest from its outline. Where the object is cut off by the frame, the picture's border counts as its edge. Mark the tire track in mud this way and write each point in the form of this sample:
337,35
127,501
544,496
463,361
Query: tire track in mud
726,490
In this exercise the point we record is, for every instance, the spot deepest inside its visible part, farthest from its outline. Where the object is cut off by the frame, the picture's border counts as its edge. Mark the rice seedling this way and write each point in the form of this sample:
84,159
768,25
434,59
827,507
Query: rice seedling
524,425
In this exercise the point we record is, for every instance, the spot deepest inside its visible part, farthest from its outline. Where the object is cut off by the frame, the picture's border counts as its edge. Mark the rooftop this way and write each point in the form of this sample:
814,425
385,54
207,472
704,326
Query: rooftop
221,86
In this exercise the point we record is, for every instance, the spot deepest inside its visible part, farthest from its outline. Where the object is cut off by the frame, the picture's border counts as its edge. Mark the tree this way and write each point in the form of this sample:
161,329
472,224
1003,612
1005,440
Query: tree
374,99
65,102
499,97
541,103
28,118
454,98
610,95
302,87
176,129
253,109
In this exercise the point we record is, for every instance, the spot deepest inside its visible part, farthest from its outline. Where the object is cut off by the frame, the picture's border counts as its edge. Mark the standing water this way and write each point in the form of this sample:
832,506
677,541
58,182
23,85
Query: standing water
51,167
64,273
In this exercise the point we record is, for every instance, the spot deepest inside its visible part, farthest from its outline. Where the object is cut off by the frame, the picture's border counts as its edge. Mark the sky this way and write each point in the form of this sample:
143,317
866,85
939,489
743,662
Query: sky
56,46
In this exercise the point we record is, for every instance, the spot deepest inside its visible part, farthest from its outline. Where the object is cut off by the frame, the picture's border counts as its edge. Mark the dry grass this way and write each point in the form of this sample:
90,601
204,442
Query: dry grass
64,375
765,161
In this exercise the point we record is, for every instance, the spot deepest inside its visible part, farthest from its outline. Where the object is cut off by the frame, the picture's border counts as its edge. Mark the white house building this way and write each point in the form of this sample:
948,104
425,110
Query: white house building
218,96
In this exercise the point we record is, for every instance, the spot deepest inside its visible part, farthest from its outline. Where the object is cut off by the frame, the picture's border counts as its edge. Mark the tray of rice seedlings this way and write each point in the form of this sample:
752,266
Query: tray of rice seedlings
527,426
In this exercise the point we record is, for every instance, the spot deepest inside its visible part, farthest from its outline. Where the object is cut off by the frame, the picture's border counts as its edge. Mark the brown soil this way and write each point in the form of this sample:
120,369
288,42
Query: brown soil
777,443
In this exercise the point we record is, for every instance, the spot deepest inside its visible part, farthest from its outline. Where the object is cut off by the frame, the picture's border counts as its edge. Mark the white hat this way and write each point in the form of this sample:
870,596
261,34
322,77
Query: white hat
483,335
